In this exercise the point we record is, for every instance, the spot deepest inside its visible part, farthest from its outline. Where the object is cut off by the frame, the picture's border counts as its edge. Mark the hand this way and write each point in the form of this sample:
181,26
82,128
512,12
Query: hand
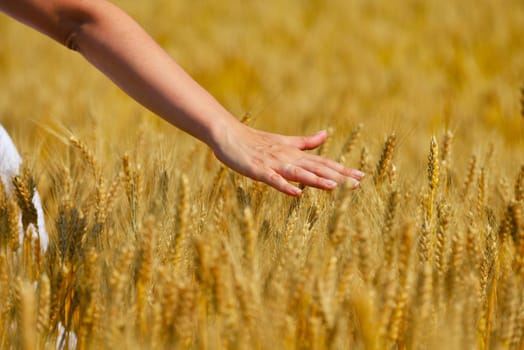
273,159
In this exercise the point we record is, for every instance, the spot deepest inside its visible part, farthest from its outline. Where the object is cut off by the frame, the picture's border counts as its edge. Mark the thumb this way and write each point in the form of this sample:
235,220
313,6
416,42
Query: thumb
309,142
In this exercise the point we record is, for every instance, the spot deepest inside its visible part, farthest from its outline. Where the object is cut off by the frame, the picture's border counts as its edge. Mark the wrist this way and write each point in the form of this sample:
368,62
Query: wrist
219,129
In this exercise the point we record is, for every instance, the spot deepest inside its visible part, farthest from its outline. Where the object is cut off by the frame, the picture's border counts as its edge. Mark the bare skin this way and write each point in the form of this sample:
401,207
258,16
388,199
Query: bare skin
115,44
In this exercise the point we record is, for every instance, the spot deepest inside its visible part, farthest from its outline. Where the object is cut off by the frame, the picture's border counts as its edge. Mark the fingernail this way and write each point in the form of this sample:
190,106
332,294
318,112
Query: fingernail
330,183
296,191
352,183
358,173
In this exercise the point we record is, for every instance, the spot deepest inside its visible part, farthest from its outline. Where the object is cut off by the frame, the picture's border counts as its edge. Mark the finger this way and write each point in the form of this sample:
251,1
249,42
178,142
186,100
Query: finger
308,142
299,174
321,170
276,180
356,174
328,173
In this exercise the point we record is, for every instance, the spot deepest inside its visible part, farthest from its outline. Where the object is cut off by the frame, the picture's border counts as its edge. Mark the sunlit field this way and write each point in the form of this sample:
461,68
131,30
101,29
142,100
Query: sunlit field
155,245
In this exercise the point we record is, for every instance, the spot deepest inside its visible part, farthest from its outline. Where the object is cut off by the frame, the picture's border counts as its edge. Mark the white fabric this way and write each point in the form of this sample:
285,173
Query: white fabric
10,162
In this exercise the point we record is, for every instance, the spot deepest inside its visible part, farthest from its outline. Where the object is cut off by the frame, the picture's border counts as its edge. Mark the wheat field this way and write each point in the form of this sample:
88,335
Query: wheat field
154,245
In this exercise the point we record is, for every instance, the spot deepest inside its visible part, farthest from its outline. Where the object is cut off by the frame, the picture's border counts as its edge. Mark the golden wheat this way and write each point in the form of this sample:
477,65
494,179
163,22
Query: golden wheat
154,244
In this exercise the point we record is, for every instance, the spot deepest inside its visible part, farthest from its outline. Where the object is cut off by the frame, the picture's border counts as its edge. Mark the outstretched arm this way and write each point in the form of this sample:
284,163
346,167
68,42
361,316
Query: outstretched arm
114,43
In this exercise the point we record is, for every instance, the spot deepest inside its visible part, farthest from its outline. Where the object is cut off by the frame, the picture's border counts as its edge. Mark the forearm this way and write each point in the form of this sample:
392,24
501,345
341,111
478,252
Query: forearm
146,72
114,43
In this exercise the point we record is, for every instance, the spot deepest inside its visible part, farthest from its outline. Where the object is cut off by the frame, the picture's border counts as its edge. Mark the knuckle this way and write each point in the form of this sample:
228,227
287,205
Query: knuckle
317,169
273,177
289,170
286,168
257,162
319,182
295,172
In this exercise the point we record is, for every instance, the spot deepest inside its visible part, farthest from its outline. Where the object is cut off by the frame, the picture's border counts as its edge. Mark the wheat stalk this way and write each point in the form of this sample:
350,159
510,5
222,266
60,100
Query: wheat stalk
349,144
384,164
181,222
25,298
519,185
87,155
470,176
